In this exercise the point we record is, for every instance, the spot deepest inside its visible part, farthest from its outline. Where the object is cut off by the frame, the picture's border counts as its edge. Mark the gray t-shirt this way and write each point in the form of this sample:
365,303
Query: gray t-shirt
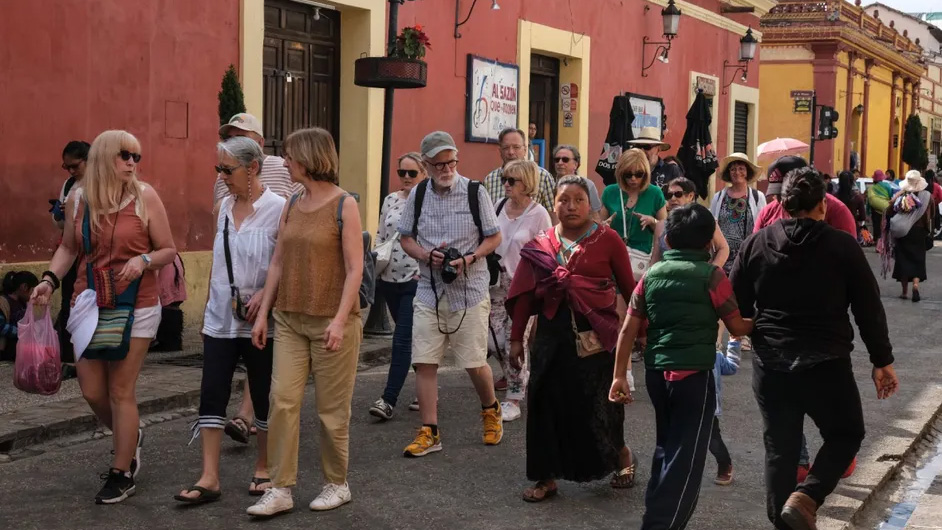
594,200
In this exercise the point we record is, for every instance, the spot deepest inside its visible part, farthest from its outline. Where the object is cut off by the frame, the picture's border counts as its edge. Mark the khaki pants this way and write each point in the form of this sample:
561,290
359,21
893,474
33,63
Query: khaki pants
300,350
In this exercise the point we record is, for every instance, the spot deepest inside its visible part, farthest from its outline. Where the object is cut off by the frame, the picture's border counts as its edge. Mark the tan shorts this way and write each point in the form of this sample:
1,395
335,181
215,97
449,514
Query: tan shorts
146,322
469,343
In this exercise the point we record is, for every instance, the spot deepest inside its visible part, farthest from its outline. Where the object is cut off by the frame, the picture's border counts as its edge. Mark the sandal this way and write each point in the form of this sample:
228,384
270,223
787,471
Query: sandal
238,429
254,488
206,495
539,492
625,478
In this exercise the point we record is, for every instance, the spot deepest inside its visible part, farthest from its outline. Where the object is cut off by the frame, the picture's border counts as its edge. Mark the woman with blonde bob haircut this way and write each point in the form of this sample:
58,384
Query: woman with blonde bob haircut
120,234
313,285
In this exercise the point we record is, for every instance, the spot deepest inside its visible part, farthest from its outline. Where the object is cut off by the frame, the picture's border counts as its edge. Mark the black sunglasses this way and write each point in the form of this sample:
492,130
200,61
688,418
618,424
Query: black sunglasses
509,180
675,194
226,170
634,175
127,155
411,173
563,159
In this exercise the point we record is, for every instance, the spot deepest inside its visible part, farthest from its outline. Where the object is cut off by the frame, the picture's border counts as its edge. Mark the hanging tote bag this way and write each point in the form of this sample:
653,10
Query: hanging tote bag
639,259
112,337
383,253
37,367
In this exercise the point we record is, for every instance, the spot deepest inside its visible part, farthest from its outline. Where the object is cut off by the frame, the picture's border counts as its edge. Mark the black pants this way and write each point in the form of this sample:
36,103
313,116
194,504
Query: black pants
67,287
684,411
877,219
220,357
828,394
718,447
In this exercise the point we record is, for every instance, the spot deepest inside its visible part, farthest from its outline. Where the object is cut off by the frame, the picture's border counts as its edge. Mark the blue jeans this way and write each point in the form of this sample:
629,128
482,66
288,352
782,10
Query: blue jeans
399,301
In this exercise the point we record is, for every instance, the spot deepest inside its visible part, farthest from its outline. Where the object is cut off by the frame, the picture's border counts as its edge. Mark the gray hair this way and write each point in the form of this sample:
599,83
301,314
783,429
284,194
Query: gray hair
245,150
574,149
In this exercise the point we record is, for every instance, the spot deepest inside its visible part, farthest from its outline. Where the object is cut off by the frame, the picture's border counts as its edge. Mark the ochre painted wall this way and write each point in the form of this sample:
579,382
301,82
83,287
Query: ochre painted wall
878,130
74,69
776,82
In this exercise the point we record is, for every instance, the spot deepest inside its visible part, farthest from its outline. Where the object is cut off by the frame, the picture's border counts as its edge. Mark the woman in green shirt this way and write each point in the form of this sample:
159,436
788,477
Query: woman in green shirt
632,207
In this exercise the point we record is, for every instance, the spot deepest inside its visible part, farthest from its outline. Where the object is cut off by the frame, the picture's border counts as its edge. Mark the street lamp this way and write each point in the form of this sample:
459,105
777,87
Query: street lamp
747,52
670,17
494,7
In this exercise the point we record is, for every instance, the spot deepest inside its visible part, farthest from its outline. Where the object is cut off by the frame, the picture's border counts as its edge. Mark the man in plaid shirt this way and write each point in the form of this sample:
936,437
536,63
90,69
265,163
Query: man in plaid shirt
513,146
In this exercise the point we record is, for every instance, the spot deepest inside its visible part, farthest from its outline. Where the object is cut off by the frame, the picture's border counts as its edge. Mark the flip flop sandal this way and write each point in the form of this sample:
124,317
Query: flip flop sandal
206,496
529,495
625,478
256,482
238,429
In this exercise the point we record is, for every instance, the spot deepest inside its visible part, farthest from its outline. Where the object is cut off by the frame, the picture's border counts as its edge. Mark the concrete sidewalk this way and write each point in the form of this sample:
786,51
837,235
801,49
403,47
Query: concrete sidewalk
168,381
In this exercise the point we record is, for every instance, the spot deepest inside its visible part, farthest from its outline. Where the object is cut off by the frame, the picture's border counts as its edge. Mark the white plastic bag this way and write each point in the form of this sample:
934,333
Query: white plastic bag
83,320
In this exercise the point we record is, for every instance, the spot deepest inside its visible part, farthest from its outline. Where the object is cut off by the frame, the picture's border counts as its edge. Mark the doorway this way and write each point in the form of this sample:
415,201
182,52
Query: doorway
544,103
300,71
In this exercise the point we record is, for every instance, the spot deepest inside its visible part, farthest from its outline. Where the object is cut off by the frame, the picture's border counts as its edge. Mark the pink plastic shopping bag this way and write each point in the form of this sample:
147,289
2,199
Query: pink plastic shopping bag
37,369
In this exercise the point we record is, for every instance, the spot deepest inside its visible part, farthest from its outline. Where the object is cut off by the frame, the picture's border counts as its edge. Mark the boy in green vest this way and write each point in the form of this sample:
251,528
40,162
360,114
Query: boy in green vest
682,297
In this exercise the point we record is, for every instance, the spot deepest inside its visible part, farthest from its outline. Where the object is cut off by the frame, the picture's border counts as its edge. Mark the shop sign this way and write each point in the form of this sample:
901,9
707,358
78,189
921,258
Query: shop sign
802,100
492,98
707,85
648,110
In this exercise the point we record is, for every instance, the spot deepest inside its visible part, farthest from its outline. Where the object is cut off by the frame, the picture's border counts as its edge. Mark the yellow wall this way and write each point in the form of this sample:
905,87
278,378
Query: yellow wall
197,264
776,81
878,130
536,38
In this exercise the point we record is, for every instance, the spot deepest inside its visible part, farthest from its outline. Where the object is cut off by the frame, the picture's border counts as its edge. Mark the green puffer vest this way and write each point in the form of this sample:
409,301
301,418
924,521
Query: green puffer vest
682,322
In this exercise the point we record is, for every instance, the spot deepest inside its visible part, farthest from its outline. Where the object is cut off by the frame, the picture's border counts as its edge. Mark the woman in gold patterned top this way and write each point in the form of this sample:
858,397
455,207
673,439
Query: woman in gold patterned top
313,284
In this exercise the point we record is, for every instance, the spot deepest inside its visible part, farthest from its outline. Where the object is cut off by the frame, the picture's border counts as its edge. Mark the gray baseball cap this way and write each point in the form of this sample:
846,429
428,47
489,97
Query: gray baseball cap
436,142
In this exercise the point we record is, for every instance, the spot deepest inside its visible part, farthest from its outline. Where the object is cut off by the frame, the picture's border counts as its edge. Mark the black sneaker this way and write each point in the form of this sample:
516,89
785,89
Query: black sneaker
119,485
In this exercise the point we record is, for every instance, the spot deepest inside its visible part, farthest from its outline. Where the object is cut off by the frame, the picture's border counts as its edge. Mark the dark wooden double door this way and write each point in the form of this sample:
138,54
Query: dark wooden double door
301,71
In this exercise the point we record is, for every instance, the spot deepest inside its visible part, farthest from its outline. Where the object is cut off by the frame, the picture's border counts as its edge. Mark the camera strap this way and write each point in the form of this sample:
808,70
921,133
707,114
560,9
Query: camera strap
225,242
438,319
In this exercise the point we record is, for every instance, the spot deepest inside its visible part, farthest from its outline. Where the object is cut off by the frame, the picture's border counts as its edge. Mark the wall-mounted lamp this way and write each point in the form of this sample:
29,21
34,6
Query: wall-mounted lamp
747,52
494,7
317,7
670,16
859,109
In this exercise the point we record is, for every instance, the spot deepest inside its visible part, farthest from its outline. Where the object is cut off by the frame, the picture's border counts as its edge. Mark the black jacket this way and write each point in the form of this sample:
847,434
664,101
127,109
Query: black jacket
797,278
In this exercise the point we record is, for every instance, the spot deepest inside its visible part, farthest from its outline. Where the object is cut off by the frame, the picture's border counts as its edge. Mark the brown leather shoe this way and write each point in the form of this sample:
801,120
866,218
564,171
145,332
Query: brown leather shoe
800,512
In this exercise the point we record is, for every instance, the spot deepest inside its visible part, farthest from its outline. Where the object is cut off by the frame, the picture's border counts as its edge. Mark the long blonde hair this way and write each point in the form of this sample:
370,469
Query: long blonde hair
103,189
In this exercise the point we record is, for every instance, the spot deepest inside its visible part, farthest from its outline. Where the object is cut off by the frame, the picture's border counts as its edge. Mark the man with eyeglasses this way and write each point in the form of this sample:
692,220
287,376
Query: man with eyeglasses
649,141
450,214
566,162
275,176
513,146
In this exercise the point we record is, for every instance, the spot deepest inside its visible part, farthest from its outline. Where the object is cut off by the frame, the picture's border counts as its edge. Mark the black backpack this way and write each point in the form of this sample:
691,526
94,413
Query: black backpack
493,259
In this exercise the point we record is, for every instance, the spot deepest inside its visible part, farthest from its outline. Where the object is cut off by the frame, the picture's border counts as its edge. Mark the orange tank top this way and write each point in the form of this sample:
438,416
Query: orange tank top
312,273
131,239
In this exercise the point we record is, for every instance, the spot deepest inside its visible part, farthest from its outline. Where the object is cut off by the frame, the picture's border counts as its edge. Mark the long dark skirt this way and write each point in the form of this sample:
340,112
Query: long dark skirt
910,258
573,431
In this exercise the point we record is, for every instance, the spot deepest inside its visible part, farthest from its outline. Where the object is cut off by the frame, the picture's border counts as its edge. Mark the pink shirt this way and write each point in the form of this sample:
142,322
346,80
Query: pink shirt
838,215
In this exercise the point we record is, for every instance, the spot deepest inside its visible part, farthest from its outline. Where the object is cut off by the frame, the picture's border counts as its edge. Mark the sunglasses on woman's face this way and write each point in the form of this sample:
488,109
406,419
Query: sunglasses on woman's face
675,194
634,175
509,180
128,155
411,173
226,170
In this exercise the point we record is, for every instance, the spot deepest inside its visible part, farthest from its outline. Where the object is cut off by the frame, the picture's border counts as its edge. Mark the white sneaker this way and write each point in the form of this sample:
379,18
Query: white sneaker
509,411
332,496
273,502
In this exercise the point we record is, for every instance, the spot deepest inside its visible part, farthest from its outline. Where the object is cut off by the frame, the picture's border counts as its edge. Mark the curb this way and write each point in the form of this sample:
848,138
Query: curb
34,434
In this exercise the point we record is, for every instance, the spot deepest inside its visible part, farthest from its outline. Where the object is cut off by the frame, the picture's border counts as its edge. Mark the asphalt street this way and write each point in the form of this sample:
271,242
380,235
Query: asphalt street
467,485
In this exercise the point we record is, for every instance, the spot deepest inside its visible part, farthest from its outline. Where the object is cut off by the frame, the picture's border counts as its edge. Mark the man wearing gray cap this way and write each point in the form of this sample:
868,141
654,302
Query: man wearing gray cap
449,226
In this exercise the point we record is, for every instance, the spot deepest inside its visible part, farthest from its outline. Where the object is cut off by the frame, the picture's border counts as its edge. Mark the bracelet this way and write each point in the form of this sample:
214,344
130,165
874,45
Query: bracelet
474,258
45,280
53,279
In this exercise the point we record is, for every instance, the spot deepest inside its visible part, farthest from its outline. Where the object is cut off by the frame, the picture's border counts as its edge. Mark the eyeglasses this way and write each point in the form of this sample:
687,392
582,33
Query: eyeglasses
563,159
440,166
675,194
226,170
127,155
509,180
72,167
411,173
633,174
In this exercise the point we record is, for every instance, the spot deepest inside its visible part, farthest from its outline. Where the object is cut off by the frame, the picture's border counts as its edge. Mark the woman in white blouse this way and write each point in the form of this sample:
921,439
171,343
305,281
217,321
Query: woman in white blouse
246,229
397,284
520,219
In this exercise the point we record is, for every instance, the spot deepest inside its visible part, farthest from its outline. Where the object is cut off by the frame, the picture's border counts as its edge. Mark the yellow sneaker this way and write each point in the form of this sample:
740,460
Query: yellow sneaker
493,425
423,444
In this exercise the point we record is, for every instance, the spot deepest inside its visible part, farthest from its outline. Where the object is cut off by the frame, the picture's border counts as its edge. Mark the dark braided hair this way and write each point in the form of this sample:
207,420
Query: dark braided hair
802,190
573,180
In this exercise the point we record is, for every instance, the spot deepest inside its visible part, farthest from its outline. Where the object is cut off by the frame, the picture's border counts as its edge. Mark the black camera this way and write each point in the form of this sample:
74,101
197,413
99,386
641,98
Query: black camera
449,272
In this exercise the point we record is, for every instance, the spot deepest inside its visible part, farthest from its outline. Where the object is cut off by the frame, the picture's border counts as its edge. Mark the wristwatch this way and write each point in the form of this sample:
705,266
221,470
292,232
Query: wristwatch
146,259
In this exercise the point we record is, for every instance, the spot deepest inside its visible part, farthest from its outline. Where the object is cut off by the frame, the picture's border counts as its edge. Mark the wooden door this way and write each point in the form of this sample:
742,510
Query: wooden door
300,69
544,100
